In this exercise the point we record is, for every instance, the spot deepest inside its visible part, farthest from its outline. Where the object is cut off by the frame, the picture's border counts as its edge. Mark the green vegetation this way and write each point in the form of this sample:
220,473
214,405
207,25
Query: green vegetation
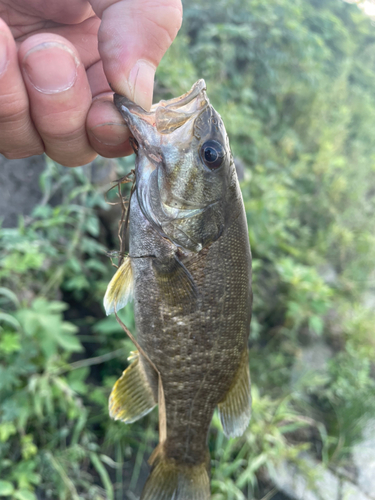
294,83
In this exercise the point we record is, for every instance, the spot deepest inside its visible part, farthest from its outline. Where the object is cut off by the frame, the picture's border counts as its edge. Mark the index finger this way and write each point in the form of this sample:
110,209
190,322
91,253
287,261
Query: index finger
133,37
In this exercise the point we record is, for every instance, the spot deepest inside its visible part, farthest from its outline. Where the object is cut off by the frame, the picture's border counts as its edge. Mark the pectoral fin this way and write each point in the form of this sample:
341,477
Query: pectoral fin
235,409
131,397
120,289
175,282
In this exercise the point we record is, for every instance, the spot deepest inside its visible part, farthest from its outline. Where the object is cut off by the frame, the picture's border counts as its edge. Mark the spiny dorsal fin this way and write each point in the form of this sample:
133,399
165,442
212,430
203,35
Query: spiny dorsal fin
131,397
120,289
235,409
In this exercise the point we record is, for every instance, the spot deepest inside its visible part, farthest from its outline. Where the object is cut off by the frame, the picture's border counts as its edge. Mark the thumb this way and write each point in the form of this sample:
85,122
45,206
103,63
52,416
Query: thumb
133,37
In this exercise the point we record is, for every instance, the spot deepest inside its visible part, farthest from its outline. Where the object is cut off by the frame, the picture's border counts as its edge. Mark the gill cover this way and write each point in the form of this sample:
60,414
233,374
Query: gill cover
183,166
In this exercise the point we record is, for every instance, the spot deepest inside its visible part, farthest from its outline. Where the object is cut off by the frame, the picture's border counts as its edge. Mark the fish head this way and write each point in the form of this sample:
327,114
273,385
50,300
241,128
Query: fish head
185,175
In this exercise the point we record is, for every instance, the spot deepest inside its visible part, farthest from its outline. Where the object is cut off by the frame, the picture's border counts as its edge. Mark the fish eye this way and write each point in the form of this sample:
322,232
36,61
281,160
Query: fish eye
212,154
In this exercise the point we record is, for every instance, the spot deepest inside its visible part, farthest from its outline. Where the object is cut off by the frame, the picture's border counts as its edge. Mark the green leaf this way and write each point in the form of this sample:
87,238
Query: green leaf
77,283
11,320
79,190
10,342
7,429
69,343
96,265
106,326
6,488
92,226
42,211
316,324
10,295
56,306
76,380
103,475
29,449
24,495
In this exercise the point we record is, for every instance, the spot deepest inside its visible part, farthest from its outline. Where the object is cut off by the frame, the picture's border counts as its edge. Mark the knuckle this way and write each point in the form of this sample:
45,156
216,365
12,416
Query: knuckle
19,139
12,109
64,127
67,137
166,17
70,155
17,143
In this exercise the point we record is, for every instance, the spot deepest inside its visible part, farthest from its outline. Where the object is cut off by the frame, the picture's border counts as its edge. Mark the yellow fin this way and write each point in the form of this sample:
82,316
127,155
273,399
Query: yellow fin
171,481
131,397
235,409
120,289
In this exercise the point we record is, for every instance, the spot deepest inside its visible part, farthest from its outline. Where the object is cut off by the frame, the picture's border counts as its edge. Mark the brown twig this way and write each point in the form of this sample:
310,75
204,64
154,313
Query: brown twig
124,220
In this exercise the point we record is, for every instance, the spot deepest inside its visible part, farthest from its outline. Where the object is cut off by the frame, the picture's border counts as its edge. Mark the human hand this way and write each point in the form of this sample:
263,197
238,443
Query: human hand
54,92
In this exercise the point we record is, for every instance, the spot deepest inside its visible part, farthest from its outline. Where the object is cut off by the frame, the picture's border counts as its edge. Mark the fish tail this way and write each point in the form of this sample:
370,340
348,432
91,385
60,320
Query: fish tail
170,480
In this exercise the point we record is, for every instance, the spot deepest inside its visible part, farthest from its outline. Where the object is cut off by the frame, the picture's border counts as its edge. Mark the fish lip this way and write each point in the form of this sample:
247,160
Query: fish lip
176,102
184,99
121,101
173,104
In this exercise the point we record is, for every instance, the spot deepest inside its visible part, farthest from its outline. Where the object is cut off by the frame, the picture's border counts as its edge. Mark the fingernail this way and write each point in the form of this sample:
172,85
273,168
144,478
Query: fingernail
4,58
111,134
141,83
43,72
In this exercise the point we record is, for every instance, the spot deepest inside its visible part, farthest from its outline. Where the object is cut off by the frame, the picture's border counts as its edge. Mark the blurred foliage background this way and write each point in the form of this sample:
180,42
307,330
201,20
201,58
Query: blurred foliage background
294,83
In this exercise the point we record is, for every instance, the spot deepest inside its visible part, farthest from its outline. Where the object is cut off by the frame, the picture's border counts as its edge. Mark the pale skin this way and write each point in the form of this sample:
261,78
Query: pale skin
56,59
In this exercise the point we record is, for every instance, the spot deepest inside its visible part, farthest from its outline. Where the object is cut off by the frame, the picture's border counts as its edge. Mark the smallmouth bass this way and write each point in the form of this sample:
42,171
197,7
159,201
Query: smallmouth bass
189,270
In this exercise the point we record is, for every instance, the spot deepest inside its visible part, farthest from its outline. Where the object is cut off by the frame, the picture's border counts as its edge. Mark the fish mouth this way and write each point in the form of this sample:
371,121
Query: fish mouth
184,99
172,114
168,115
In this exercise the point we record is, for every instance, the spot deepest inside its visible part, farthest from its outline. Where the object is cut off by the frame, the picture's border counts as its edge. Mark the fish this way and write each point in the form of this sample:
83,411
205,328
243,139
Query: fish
188,271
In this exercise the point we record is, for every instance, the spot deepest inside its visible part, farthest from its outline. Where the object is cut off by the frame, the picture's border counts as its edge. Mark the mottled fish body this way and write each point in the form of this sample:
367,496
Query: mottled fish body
189,269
